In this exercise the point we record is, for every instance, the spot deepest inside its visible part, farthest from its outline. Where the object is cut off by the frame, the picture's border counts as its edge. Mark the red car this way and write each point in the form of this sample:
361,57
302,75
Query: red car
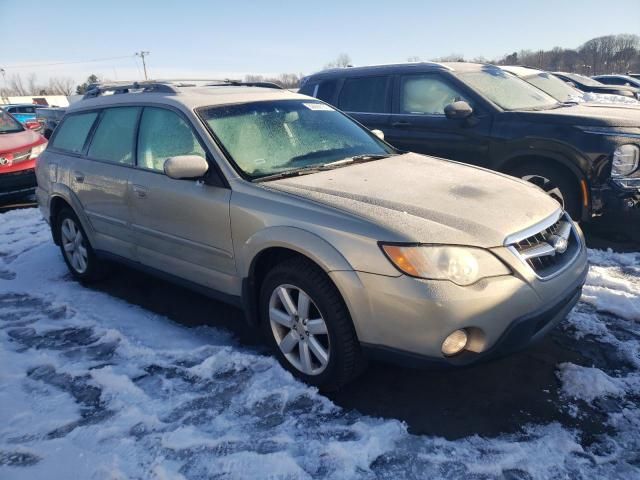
19,148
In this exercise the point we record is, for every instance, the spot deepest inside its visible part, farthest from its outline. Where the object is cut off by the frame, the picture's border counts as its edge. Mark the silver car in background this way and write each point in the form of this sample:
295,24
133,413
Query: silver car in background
338,246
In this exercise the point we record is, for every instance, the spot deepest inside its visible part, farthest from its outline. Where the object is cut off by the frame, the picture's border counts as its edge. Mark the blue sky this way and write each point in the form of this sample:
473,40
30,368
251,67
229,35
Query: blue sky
209,38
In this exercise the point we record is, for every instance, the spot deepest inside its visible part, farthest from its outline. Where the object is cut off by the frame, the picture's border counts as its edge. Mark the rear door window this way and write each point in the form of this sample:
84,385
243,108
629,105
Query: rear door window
71,135
114,139
365,95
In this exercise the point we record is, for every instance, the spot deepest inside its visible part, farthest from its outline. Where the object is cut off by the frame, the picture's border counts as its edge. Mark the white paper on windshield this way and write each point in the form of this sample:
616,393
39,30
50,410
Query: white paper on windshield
318,106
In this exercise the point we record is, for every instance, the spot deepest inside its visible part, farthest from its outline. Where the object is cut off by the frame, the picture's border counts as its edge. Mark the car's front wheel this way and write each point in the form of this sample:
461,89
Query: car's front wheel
307,323
76,250
559,185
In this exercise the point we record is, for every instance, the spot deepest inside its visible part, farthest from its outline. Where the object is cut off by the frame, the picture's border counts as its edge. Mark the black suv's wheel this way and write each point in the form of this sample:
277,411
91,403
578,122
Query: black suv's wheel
306,321
76,250
558,184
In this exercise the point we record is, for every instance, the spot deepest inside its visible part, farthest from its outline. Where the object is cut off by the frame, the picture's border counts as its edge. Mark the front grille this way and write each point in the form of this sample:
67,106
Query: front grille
22,155
543,251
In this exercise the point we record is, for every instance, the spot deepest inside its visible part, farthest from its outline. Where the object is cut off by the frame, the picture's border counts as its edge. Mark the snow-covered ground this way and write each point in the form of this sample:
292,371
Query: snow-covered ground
94,388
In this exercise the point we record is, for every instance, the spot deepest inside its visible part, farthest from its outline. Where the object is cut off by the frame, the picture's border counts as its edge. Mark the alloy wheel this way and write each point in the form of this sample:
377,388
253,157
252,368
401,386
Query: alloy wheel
74,245
299,329
547,185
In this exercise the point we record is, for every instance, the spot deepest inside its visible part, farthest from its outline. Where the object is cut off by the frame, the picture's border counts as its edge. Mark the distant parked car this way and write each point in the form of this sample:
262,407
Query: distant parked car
564,92
587,84
626,80
19,148
49,119
585,158
22,112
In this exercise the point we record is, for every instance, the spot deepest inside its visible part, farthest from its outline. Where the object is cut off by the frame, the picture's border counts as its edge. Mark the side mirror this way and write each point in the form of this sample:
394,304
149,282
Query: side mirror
571,84
458,110
32,124
378,133
185,167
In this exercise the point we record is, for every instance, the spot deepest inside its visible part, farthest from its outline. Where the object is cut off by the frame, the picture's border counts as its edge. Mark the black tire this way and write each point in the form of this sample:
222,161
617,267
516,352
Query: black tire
346,360
552,179
96,269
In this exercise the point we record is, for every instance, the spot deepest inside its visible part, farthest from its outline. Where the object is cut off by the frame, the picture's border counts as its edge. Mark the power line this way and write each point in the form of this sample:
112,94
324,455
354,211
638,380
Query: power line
35,65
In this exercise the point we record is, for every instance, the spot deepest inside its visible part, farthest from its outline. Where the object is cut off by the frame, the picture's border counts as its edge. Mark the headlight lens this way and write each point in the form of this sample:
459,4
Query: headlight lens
460,265
37,150
625,160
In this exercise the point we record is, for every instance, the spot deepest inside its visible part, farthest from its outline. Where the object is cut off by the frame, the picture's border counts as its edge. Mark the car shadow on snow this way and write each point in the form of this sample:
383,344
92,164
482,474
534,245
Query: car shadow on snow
488,399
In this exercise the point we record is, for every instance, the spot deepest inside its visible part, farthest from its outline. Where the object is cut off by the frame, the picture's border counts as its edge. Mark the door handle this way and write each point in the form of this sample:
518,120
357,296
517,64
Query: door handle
140,191
78,176
400,123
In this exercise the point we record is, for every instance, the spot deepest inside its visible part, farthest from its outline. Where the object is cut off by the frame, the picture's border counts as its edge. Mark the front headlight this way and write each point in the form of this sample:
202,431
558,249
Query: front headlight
460,265
625,160
37,150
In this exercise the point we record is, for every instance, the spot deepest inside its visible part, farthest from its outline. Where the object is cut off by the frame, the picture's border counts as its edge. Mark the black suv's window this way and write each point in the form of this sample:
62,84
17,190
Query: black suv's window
71,135
367,94
115,136
326,90
164,134
427,94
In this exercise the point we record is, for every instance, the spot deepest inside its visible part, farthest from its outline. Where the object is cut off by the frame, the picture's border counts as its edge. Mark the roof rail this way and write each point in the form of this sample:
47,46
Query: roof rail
167,86
238,83
97,89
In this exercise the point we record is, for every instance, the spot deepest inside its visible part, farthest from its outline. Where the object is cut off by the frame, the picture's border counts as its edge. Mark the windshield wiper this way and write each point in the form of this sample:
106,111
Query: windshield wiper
296,172
366,157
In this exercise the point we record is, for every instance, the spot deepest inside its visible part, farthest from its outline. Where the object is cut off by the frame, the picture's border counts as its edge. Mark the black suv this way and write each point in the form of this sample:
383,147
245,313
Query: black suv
586,158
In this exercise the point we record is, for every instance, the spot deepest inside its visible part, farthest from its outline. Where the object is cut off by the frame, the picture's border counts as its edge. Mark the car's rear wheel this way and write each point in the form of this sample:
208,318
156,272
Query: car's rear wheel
76,250
307,323
558,184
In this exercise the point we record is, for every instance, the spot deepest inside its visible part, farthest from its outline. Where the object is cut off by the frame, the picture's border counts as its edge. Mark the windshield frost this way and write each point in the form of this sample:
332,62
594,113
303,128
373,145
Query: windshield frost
268,137
8,124
553,86
507,91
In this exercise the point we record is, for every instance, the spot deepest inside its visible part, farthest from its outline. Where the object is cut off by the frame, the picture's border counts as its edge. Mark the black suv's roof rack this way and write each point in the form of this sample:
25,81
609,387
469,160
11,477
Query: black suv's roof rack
167,86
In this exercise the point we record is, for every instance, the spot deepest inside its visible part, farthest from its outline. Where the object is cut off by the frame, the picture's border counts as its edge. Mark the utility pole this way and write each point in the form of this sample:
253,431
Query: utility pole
142,54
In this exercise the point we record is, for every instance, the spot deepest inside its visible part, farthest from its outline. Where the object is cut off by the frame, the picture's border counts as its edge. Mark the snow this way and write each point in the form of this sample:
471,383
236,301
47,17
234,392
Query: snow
92,387
605,98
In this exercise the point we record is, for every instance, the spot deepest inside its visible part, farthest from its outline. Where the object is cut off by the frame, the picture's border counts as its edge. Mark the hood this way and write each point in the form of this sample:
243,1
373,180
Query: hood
10,142
428,200
583,115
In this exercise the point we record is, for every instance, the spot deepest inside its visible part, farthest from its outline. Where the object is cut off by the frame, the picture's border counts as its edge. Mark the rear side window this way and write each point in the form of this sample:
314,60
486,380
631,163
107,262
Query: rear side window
364,95
327,90
71,135
114,138
164,134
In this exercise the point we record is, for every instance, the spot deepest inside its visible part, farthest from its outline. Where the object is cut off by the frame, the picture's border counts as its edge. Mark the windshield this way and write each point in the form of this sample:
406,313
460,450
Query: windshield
507,91
8,124
553,86
269,137
574,77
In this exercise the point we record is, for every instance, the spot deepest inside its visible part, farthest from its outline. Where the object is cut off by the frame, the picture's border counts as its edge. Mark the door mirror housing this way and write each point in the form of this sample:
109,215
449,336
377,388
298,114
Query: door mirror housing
186,167
32,124
378,133
458,110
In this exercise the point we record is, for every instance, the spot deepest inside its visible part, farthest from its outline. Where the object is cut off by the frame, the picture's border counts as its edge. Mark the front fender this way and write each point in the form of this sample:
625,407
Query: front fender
302,241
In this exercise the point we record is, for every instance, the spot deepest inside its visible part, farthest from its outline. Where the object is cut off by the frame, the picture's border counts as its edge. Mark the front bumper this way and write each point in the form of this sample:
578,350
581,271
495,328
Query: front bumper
22,182
405,320
616,198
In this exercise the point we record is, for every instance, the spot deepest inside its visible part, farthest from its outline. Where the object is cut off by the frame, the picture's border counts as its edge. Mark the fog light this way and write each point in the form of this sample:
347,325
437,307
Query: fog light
454,343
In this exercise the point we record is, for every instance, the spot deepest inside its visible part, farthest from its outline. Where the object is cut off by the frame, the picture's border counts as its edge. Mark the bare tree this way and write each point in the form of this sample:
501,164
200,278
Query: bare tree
16,85
341,61
61,85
